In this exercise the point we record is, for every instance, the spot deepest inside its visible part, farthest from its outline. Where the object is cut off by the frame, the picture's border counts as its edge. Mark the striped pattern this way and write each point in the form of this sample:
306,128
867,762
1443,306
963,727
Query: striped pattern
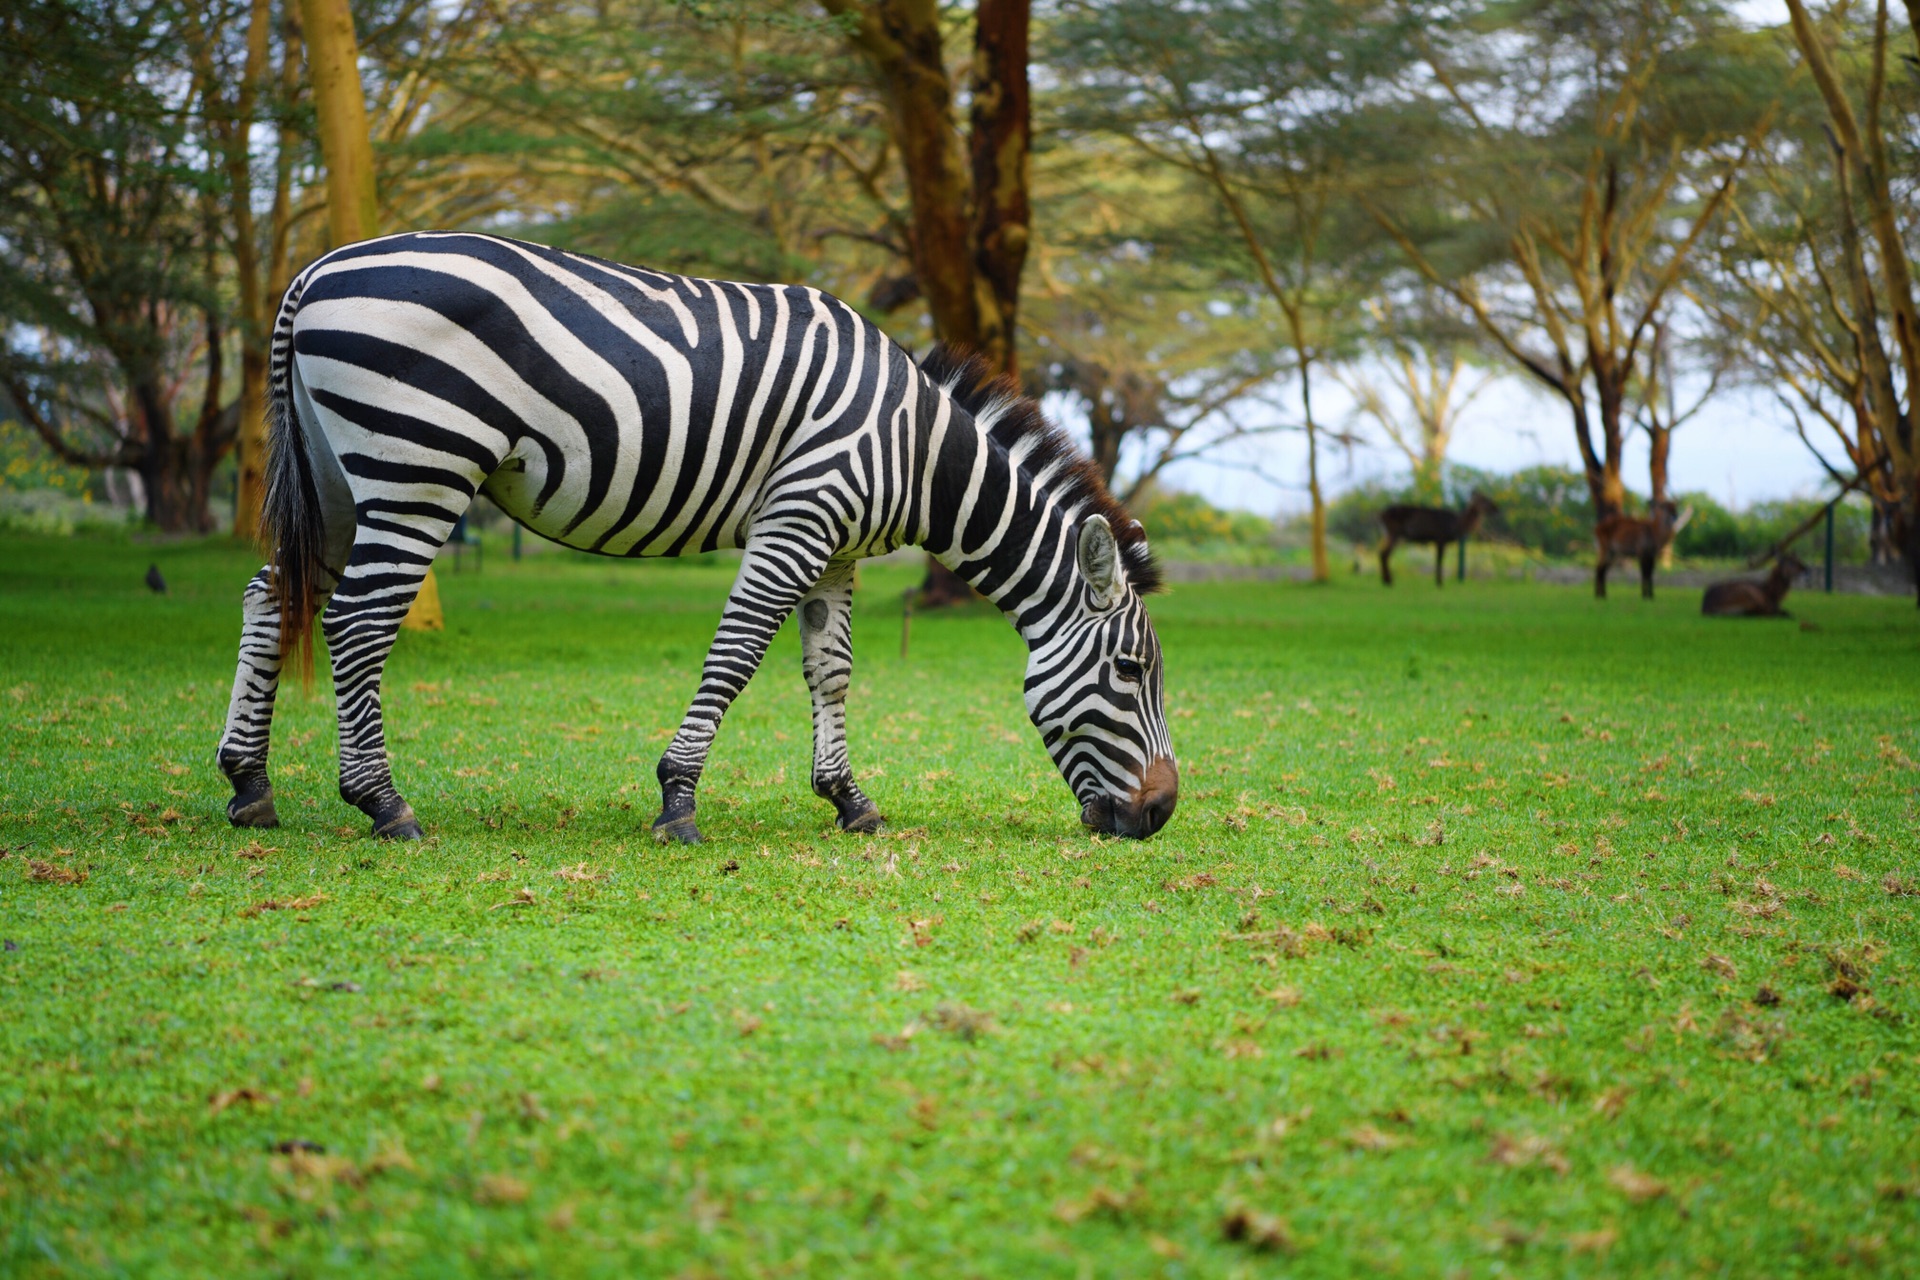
634,413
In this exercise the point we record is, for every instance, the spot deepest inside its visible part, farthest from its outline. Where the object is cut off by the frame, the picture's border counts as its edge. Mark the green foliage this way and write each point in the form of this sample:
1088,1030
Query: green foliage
1354,516
1546,509
26,463
1190,518
1713,532
1579,950
711,139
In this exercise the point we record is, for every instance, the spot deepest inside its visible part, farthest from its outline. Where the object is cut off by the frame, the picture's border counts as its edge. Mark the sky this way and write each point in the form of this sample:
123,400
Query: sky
1739,449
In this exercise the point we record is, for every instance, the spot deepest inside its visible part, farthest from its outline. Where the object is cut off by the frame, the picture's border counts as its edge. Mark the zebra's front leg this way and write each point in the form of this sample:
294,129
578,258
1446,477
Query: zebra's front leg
826,658
242,754
776,571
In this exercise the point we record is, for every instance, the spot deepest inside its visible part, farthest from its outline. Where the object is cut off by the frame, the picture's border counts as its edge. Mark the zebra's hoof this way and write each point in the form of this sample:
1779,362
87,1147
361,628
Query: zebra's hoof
254,810
401,826
681,830
869,823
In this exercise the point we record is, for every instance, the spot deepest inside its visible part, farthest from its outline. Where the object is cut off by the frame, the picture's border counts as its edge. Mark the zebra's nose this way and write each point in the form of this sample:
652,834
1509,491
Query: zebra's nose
1152,802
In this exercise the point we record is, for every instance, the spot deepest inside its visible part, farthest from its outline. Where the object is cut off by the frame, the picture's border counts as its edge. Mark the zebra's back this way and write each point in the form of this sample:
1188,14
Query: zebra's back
611,408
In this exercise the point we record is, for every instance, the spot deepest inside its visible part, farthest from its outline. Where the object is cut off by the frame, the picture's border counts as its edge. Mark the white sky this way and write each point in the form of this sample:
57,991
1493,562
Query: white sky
1741,448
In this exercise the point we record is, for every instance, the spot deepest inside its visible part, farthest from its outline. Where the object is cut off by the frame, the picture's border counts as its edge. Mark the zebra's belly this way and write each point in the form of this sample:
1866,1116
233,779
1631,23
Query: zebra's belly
517,485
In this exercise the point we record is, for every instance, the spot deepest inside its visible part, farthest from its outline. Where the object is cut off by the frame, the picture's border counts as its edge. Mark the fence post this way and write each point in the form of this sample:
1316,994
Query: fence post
1830,507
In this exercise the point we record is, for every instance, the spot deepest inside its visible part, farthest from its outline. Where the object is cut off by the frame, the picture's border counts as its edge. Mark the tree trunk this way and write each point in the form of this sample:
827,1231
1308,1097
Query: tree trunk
1612,498
970,207
250,442
1002,136
250,447
158,467
901,40
353,208
333,66
1107,431
1427,477
1659,444
1317,521
1883,539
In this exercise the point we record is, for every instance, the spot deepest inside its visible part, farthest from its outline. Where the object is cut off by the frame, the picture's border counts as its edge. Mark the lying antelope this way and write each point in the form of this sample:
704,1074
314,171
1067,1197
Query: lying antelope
1634,538
1754,599
1437,525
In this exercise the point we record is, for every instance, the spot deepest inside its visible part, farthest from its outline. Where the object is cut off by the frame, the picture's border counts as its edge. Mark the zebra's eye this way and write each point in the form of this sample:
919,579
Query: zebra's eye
1127,668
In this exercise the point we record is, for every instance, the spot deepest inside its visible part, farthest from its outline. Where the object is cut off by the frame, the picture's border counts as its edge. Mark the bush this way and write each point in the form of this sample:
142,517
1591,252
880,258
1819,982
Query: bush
51,512
1187,517
1545,509
1713,532
1354,516
27,464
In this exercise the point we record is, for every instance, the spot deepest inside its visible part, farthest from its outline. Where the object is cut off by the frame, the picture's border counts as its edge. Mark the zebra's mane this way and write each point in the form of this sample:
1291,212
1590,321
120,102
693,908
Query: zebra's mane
1042,450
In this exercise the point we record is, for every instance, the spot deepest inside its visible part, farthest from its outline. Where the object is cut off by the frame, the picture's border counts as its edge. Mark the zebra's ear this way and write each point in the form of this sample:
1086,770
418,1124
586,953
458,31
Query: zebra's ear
1099,556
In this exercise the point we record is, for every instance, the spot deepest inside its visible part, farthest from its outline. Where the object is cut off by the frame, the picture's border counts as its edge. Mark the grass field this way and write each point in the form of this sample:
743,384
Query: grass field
1498,930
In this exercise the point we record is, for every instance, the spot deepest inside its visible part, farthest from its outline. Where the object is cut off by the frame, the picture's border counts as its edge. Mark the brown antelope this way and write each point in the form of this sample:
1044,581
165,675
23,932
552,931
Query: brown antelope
1754,599
1634,538
1437,525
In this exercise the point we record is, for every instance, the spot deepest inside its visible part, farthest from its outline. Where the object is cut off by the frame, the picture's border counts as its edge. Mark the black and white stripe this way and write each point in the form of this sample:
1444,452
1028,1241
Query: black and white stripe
634,413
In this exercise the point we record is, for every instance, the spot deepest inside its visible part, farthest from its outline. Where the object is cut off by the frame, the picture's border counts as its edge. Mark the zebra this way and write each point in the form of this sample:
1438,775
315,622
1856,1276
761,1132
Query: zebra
630,412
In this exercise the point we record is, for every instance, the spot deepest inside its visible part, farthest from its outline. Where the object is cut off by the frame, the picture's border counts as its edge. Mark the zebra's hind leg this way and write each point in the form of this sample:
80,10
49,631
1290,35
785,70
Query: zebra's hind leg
360,623
242,753
779,567
826,658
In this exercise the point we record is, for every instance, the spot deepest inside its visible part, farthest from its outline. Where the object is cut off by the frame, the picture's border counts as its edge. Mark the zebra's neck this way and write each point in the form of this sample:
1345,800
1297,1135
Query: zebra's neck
997,526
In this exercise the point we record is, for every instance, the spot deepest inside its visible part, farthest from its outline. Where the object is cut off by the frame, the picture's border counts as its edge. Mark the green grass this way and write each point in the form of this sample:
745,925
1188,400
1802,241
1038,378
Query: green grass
1452,959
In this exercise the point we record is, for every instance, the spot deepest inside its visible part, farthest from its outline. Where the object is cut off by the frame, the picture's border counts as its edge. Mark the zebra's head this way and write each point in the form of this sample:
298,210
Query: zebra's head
1094,692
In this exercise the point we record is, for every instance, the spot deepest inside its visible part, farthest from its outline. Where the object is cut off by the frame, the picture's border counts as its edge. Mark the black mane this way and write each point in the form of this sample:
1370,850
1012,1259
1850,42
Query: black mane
1011,419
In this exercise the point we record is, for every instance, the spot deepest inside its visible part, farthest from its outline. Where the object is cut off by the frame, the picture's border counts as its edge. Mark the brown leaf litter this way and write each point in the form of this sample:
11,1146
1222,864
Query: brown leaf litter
1262,1232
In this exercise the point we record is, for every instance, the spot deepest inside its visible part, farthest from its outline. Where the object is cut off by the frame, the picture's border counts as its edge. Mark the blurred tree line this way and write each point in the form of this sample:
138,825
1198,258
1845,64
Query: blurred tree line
1191,224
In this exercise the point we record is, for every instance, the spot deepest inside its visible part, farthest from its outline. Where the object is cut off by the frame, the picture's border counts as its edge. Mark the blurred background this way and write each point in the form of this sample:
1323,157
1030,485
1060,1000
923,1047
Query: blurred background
1277,263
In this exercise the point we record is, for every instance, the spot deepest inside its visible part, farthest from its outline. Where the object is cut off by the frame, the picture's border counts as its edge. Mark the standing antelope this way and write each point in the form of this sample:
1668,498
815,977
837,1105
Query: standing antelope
1437,525
1754,599
1634,538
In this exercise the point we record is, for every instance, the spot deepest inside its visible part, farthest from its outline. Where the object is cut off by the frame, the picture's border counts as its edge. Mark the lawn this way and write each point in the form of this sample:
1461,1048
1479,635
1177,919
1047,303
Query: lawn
1499,930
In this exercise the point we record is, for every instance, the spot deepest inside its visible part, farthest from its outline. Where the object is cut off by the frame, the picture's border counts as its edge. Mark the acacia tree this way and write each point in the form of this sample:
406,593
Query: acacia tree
1422,356
1589,148
1785,303
230,51
1251,103
970,210
1160,353
111,289
737,141
1875,368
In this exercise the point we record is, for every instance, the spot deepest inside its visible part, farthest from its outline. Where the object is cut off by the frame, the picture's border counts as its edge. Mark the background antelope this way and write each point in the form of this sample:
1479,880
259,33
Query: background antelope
1754,599
1438,525
1634,538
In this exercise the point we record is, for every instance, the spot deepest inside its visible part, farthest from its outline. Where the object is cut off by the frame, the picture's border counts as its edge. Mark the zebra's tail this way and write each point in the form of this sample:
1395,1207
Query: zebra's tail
292,520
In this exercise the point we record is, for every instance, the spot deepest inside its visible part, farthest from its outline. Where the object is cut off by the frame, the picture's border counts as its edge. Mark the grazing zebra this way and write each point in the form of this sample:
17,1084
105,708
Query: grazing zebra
634,413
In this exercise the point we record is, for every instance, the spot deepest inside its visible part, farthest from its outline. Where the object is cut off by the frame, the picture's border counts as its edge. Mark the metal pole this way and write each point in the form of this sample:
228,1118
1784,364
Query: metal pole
1830,507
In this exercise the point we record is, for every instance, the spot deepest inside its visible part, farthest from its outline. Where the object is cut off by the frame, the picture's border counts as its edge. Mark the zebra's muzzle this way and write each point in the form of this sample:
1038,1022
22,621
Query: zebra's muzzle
1142,813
